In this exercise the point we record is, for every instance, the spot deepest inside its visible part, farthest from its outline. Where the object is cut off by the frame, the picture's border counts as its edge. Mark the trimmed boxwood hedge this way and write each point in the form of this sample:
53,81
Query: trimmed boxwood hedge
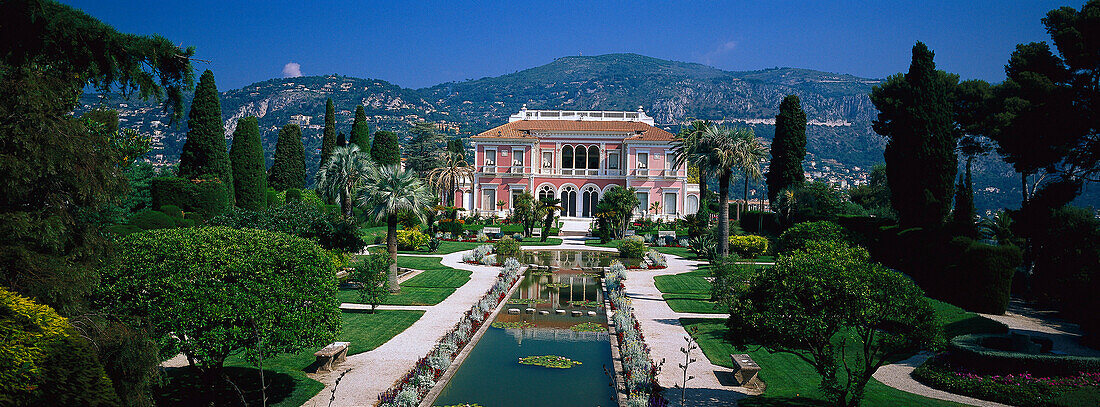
968,352
206,197
939,374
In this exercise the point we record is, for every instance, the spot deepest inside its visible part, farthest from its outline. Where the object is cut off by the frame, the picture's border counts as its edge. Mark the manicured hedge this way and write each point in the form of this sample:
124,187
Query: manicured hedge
796,237
749,246
967,351
939,374
751,222
980,278
205,197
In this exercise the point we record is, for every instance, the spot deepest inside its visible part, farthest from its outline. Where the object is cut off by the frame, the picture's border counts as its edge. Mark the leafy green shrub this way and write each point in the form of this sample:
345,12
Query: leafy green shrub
331,231
273,198
507,247
411,239
749,246
632,247
517,237
798,235
207,197
969,352
981,278
149,219
372,274
452,226
172,210
44,360
294,195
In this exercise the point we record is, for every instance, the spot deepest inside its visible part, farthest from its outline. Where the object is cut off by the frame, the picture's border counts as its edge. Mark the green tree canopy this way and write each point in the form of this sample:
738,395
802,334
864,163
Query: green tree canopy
360,130
213,292
788,147
387,194
426,150
833,308
617,205
385,150
204,151
328,137
247,157
917,118
289,167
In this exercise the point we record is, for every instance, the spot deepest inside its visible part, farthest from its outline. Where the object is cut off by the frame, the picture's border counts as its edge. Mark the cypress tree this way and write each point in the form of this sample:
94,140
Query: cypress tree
788,147
328,140
360,131
204,150
385,150
962,218
341,141
247,157
915,114
289,169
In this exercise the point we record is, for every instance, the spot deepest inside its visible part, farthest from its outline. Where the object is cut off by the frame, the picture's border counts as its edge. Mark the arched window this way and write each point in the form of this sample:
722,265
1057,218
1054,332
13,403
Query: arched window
581,158
569,201
567,157
546,192
589,198
692,204
593,158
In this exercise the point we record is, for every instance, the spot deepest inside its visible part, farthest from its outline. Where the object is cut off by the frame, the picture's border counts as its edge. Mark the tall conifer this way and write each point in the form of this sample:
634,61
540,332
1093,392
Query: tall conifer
788,147
204,151
360,130
247,157
289,169
328,139
385,150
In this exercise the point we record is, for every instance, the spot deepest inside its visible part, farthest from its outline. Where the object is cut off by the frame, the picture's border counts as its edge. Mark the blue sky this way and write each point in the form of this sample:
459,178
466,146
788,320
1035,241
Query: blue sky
417,44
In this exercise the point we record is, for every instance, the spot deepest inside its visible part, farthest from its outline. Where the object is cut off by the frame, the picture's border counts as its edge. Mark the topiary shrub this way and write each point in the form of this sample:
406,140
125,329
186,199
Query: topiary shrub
331,231
981,278
749,246
507,247
149,219
273,198
172,210
796,237
411,239
45,361
207,196
632,248
293,195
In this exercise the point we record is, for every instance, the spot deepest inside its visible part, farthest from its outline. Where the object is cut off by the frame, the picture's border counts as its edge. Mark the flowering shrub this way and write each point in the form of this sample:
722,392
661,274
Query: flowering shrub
411,239
482,237
452,226
1016,389
749,246
411,388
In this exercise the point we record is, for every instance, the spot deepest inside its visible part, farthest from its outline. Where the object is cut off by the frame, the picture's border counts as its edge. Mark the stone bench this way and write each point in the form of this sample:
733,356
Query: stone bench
331,355
745,369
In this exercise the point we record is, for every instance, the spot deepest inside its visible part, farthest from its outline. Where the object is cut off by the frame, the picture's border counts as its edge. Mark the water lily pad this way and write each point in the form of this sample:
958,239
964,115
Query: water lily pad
551,361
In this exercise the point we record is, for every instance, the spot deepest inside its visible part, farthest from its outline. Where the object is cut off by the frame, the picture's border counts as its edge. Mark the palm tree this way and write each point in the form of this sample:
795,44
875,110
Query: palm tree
548,204
687,151
447,178
387,193
338,178
750,153
722,152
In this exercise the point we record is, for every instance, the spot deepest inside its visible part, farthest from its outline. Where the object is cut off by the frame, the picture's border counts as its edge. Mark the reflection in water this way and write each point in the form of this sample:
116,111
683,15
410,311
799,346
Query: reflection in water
568,259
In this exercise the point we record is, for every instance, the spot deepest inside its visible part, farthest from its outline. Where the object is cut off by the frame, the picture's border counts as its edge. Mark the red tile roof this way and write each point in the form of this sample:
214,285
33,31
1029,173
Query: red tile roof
632,130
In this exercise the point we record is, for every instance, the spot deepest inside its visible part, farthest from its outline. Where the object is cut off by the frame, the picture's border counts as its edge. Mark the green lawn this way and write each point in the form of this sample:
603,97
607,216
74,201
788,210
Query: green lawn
790,380
287,384
430,287
692,282
957,321
698,303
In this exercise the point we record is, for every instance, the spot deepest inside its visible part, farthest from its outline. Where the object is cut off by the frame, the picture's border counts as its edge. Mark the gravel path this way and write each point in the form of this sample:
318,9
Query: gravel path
899,376
713,385
373,372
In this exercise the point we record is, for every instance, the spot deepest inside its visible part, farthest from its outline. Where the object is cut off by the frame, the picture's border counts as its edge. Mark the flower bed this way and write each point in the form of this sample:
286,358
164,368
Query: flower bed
639,371
411,388
551,361
1016,389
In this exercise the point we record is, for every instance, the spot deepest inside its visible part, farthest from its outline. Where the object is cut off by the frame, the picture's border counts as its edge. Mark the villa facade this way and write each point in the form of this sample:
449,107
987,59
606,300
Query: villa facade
577,156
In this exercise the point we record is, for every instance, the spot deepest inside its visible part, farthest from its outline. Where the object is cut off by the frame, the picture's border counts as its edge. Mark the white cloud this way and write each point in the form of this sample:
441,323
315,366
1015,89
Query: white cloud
292,70
723,49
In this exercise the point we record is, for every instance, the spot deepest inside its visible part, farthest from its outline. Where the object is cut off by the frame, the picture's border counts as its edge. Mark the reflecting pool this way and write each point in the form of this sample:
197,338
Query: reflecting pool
567,259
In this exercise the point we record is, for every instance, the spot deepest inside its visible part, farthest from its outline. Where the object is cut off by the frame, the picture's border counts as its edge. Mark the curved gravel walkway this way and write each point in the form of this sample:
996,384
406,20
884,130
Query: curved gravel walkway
899,376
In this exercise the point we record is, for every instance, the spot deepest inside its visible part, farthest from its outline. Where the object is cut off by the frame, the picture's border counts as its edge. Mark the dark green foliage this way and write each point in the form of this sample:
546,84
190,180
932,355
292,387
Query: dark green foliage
916,116
788,148
273,198
172,211
149,219
139,195
293,195
228,289
425,149
799,236
74,377
385,149
1067,266
963,217
204,152
812,202
328,137
973,352
940,373
506,247
289,167
980,278
104,116
457,145
341,141
326,228
247,157
204,197
371,274
874,197
360,130
759,222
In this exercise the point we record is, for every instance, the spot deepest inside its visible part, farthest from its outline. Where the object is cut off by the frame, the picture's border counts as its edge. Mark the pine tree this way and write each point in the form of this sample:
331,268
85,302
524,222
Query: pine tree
328,140
247,158
788,147
426,148
204,151
385,150
360,131
289,169
915,114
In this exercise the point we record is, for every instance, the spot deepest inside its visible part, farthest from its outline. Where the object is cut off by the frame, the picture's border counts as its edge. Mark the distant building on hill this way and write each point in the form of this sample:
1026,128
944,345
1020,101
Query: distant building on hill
577,156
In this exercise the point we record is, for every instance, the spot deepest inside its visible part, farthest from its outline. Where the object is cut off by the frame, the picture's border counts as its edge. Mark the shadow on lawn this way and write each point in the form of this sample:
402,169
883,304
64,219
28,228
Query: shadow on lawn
183,387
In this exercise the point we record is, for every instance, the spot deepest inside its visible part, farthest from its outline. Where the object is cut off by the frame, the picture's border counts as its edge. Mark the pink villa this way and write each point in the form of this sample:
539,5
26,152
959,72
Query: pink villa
577,156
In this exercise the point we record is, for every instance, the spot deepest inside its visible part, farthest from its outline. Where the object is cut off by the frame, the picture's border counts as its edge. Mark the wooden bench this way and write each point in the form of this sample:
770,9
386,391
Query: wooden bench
331,355
745,369
536,232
